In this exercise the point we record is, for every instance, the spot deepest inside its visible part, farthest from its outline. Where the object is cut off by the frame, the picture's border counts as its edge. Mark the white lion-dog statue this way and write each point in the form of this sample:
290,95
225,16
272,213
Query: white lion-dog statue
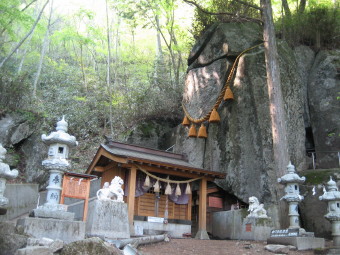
113,191
256,209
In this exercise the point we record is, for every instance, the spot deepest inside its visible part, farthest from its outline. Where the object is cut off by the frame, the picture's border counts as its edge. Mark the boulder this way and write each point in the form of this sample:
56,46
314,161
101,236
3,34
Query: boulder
10,239
240,145
34,250
21,132
90,246
277,248
324,105
152,134
216,43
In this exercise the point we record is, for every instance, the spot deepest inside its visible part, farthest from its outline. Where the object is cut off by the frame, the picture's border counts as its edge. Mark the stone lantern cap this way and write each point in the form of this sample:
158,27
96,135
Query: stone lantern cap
60,136
332,193
291,177
5,171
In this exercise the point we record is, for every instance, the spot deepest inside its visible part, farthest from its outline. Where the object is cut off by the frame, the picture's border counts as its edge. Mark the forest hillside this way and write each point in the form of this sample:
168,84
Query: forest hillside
116,68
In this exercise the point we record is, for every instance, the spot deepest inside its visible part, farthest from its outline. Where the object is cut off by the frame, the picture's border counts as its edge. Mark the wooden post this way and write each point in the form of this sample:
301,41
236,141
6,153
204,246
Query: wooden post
86,202
189,207
131,196
202,211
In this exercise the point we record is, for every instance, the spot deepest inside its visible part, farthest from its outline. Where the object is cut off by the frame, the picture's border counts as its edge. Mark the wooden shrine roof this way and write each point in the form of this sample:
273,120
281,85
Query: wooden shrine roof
127,154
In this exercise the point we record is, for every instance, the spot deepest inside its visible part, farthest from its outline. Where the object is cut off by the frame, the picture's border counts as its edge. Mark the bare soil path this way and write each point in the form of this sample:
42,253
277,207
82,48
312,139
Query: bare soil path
210,247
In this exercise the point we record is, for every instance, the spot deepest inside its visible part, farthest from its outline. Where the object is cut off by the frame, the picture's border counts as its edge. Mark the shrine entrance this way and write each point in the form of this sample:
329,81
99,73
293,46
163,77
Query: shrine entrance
157,186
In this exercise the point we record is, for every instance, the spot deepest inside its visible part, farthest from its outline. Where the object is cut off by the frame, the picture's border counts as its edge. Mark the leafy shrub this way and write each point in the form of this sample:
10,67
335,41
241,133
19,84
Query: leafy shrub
318,27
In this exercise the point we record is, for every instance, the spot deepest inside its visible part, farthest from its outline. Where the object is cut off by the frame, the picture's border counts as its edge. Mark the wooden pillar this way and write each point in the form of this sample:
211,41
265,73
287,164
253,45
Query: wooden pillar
202,211
131,196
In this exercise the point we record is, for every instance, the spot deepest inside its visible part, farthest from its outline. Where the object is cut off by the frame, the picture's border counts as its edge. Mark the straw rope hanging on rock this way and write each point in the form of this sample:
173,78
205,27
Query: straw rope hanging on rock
225,94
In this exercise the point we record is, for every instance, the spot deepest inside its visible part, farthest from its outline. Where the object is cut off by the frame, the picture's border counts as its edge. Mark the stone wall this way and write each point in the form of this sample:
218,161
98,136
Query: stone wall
22,199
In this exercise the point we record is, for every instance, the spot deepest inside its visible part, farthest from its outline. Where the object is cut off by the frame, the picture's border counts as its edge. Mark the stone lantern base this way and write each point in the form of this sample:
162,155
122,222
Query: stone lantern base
65,230
300,242
58,211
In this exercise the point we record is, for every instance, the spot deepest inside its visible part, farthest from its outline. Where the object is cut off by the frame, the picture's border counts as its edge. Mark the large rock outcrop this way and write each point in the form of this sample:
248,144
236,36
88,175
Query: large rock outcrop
20,133
324,104
241,144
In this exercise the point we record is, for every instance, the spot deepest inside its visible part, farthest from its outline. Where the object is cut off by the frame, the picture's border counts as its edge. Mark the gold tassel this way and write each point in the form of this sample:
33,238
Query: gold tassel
168,189
186,121
202,132
156,186
147,181
192,131
214,116
188,189
228,95
178,190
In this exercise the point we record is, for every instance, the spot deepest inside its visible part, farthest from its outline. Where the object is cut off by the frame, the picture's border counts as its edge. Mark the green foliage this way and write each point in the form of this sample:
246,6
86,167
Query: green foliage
320,176
318,26
203,20
73,77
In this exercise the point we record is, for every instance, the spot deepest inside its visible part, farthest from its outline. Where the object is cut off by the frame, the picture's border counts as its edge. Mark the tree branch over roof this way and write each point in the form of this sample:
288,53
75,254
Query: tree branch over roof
248,4
236,16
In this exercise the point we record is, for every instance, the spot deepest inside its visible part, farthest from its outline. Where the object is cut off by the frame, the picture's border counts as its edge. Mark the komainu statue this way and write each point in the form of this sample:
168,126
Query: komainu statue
256,209
113,191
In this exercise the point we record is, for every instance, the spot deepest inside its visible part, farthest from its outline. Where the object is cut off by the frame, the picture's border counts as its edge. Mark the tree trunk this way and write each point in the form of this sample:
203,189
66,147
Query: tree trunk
26,36
42,54
83,67
302,6
286,8
10,22
108,82
277,113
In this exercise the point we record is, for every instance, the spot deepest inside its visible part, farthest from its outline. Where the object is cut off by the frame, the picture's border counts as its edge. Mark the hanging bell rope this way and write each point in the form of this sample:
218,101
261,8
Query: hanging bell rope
222,93
165,180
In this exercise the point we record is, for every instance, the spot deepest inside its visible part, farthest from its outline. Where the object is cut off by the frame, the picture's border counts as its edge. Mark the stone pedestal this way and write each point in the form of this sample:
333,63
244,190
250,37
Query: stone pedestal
300,242
257,229
53,211
108,219
67,231
202,235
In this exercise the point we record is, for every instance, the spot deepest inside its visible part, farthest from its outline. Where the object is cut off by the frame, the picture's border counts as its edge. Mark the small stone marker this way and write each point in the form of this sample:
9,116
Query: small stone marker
284,232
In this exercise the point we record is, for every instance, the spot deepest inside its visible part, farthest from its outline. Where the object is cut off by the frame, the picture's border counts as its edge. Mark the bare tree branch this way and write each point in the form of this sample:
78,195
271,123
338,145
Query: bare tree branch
250,5
26,36
236,16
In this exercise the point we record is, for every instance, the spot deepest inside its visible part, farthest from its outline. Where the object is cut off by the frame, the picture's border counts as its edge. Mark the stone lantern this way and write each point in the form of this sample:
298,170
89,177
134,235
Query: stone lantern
332,196
57,164
5,174
292,196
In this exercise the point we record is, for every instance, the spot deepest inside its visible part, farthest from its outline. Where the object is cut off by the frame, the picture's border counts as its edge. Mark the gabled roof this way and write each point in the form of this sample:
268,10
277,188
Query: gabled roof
132,154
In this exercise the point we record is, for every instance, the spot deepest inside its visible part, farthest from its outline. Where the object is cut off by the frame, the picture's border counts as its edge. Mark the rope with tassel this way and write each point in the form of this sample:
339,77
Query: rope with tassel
166,180
223,91
168,190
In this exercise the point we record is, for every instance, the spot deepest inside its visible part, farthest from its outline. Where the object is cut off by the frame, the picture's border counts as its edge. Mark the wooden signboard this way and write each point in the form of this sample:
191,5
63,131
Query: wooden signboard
216,202
77,186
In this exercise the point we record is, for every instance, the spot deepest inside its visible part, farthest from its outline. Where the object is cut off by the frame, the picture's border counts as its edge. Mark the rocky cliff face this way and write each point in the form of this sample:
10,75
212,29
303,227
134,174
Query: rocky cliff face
241,144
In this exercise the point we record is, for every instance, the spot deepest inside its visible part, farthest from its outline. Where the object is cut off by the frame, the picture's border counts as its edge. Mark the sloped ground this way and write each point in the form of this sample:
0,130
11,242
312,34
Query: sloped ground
211,247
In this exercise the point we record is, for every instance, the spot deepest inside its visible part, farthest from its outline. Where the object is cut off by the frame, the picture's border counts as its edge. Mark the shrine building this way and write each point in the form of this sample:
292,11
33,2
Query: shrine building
158,187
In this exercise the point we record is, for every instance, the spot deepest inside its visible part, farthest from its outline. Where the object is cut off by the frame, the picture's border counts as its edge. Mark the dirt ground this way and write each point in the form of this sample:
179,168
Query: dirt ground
210,247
